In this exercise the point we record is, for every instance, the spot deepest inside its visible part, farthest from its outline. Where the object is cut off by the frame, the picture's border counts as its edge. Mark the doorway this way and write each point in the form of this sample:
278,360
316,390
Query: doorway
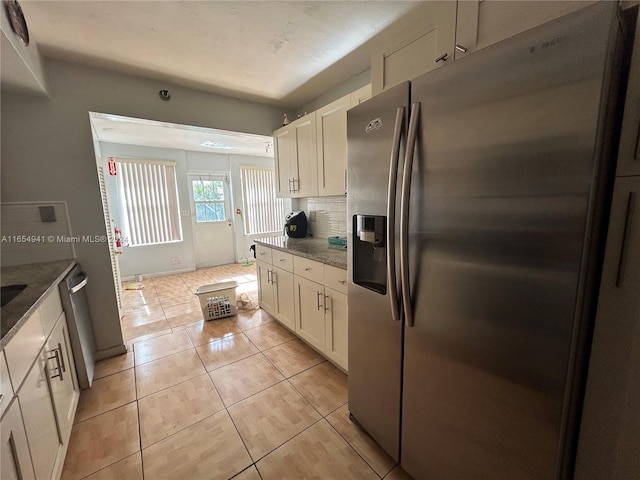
210,199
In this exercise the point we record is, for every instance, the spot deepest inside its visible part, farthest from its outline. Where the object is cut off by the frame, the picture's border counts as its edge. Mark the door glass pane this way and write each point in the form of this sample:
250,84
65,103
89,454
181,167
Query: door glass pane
198,190
200,213
209,200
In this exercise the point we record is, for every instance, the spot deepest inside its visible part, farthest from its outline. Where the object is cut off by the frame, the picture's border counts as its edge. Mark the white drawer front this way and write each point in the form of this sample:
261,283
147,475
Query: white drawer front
282,260
335,278
309,269
50,310
263,253
22,350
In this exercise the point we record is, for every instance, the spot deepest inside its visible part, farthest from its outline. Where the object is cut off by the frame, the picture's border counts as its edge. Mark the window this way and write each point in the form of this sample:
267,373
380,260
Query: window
264,213
208,199
149,195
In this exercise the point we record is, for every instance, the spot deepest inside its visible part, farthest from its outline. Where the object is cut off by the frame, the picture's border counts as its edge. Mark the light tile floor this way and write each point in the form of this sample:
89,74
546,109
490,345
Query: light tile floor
239,397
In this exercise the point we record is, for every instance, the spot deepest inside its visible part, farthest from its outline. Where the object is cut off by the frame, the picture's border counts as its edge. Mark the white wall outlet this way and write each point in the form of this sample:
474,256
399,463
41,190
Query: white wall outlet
175,261
312,215
185,213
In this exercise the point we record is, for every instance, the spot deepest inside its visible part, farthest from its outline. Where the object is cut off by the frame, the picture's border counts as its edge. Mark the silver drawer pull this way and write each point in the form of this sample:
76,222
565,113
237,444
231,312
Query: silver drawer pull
56,357
282,260
306,269
460,48
441,58
64,368
342,282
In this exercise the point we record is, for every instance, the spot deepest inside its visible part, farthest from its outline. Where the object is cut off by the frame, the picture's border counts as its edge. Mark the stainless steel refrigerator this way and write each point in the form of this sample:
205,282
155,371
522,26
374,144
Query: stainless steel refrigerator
478,198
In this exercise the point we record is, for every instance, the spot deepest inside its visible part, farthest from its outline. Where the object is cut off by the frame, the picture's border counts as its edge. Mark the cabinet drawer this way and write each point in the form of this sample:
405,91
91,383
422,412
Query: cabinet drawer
309,269
335,278
282,260
6,391
263,253
50,310
22,350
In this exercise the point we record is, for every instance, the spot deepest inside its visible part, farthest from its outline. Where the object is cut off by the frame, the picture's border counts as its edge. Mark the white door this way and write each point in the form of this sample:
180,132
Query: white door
212,221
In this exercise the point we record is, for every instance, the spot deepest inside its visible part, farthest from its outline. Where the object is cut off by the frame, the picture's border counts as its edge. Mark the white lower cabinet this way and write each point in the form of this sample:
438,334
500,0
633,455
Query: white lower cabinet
15,460
265,289
309,308
39,418
307,297
336,327
282,283
64,385
36,426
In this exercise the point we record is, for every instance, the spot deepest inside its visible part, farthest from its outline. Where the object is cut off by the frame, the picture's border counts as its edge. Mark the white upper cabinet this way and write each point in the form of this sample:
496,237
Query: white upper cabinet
438,33
360,95
283,147
483,23
305,183
331,124
311,152
414,45
295,158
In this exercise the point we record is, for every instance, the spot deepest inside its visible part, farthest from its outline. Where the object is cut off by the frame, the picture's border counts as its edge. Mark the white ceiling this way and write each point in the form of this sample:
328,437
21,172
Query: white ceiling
150,133
283,53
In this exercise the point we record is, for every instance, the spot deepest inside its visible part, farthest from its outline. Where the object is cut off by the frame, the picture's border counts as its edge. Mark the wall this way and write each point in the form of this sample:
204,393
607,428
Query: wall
156,259
50,240
327,215
340,91
47,153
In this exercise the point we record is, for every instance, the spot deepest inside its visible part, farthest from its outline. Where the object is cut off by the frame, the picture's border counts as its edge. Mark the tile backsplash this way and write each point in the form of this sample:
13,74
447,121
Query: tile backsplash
330,215
26,239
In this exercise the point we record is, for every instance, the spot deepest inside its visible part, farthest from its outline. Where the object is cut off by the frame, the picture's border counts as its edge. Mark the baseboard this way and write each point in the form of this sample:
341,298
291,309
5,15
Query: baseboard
159,274
111,352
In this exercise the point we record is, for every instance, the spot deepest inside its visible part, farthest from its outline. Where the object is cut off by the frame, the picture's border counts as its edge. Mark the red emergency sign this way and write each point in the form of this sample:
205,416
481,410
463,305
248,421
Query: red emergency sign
111,165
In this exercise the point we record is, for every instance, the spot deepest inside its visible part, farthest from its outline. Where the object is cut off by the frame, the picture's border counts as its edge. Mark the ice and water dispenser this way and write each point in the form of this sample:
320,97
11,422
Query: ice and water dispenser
370,252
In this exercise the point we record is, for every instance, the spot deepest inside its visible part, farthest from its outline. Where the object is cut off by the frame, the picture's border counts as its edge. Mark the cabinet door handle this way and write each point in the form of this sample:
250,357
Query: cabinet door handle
56,357
290,189
326,303
296,188
270,277
64,367
306,269
622,259
441,58
460,48
274,277
282,260
345,180
342,282
318,295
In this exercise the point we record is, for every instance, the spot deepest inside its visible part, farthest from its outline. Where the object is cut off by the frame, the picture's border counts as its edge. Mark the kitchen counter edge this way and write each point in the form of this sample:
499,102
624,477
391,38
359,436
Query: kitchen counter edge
311,248
41,289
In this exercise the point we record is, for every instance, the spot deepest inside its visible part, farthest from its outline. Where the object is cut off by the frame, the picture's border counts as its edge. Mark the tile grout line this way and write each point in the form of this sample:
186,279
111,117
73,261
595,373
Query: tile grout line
352,447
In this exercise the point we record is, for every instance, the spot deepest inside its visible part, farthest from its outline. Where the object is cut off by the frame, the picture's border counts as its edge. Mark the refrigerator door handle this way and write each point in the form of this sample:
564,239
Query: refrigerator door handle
404,212
391,215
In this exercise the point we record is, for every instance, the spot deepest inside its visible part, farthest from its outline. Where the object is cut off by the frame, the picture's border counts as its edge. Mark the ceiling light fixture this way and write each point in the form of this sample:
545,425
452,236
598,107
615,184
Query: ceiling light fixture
212,144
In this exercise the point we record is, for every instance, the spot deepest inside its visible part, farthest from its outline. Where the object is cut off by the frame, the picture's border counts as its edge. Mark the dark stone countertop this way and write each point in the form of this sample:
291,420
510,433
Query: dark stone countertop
41,279
317,249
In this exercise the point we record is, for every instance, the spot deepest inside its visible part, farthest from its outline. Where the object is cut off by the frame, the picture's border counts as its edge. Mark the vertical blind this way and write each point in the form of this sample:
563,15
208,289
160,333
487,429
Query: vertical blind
264,213
149,194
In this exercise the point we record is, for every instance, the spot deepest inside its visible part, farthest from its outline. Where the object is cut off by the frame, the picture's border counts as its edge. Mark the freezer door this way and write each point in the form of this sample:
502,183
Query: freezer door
375,338
501,198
